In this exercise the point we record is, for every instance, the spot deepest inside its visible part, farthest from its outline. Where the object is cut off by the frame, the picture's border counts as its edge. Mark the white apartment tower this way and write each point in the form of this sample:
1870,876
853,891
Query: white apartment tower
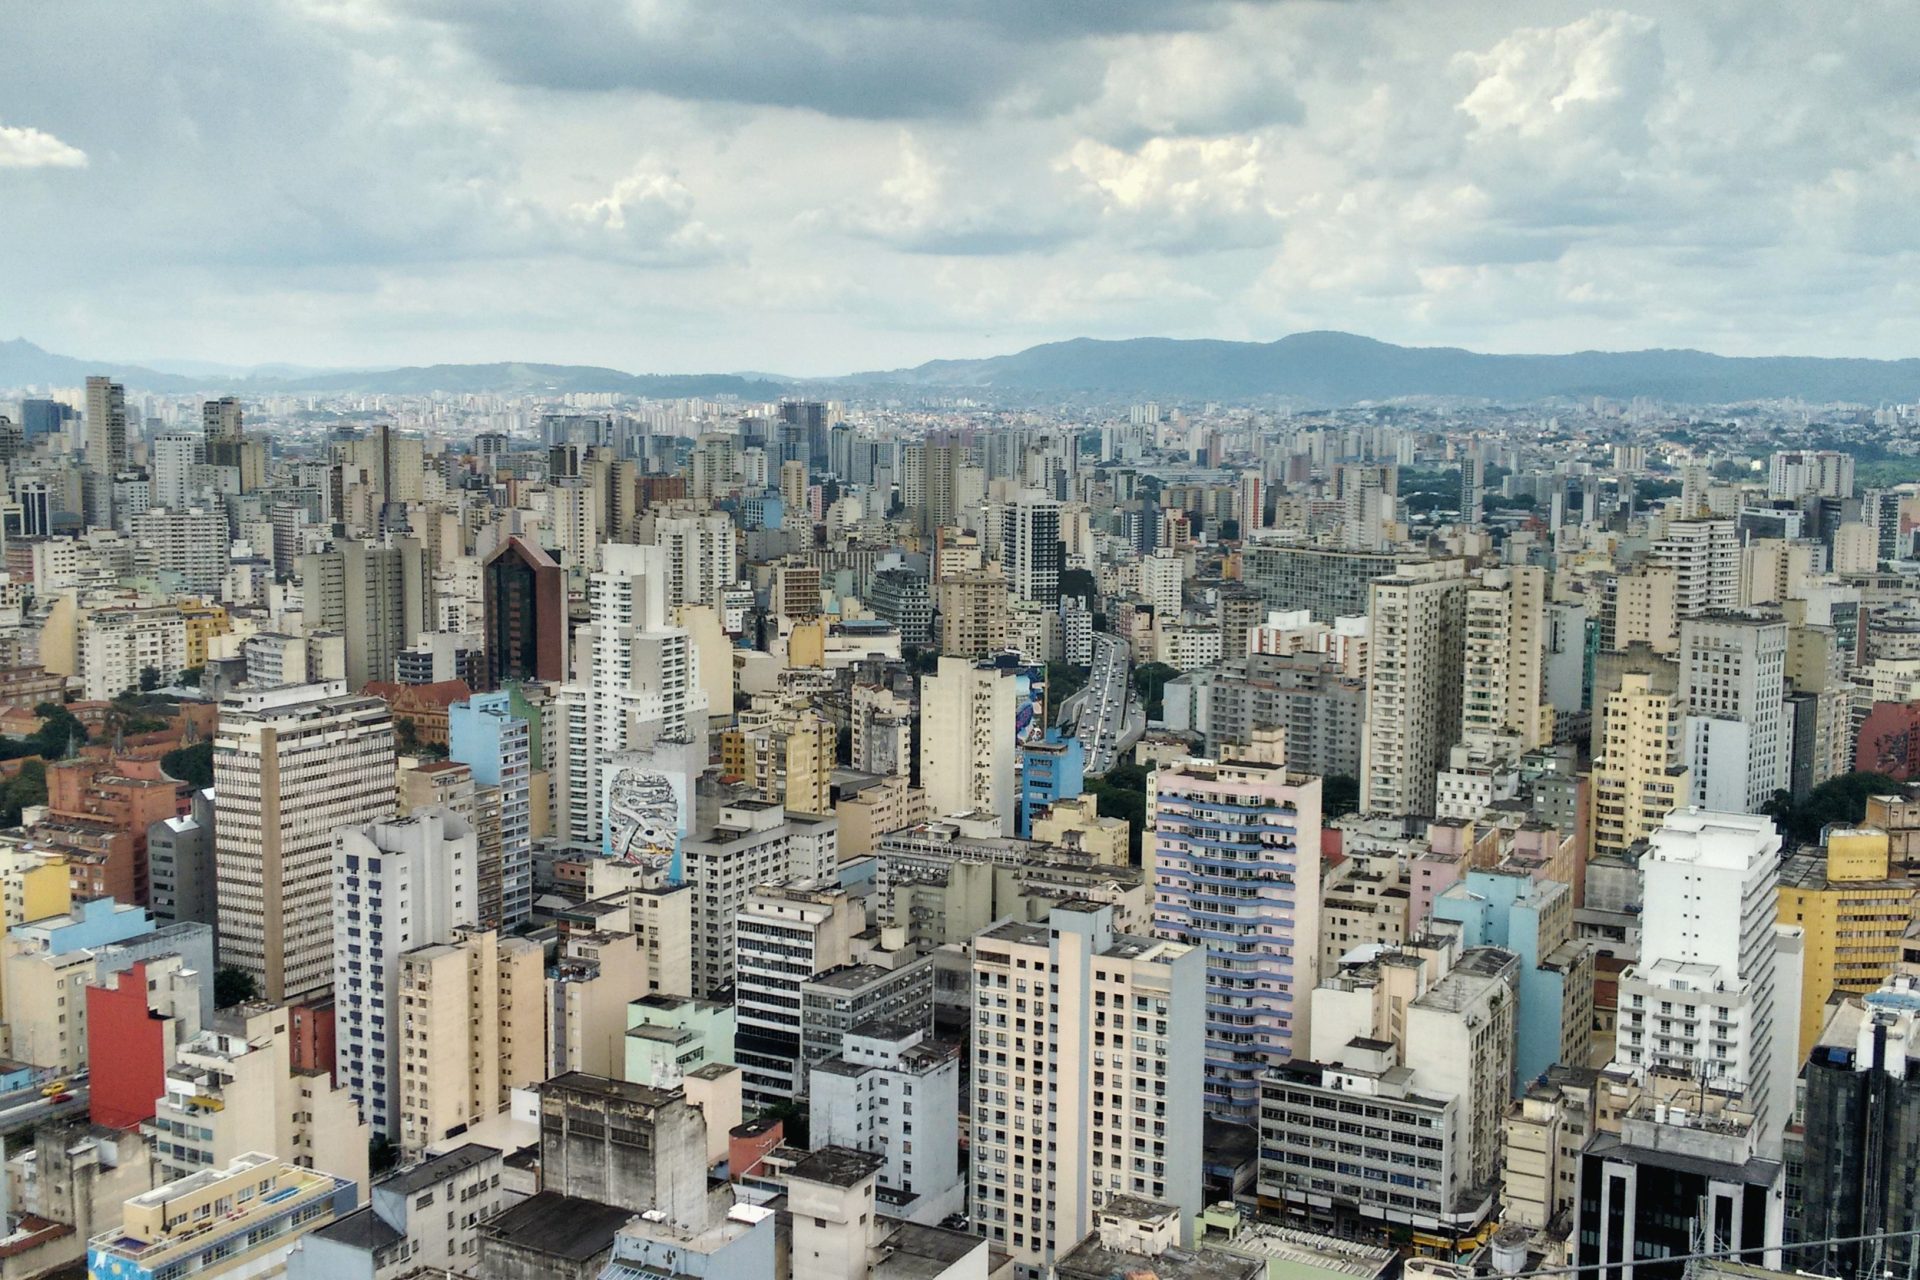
1714,992
1705,558
292,765
966,740
1413,692
700,552
641,684
398,885
1085,1081
1733,683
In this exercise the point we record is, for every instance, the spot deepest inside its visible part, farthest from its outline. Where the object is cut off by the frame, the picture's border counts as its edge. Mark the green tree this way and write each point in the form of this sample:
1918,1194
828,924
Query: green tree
149,679
27,787
58,728
1150,682
1339,796
1229,530
407,733
192,765
382,1155
191,677
1841,800
233,986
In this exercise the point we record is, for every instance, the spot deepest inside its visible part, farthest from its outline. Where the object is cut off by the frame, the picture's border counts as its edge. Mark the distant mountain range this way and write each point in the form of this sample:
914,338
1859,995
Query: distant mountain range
23,364
1326,368
1322,368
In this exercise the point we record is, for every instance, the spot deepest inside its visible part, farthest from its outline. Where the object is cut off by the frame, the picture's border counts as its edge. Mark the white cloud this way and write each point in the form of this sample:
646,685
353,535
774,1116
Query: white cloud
23,148
647,218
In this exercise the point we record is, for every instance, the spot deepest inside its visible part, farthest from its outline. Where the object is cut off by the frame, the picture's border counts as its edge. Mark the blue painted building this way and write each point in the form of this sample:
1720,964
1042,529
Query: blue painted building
1054,768
485,734
1534,920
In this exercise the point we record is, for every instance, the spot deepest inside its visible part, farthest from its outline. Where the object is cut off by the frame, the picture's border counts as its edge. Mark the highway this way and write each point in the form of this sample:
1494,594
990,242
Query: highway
26,1110
1100,718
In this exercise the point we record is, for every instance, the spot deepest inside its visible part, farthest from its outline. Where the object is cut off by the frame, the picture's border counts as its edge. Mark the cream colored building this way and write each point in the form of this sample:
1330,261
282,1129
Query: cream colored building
966,740
1502,704
1645,609
233,1089
1638,776
292,766
1413,695
871,812
593,980
973,613
785,751
1086,1083
1075,823
474,1018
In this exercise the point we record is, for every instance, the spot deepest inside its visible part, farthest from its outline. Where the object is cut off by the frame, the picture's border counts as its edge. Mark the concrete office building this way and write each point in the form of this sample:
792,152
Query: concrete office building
750,844
291,766
785,934
966,740
1218,831
1413,689
190,542
1084,1083
422,1218
1327,583
524,596
1856,913
484,734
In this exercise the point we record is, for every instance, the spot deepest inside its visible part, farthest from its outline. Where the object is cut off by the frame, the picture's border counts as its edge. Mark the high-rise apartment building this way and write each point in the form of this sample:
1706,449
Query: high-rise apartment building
1733,673
643,686
1856,913
1326,583
171,458
1639,774
1710,997
378,596
191,543
973,613
701,551
1030,548
1413,691
1236,865
291,766
524,593
398,884
1085,1083
106,426
1503,703
966,740
497,745
474,1029
1705,558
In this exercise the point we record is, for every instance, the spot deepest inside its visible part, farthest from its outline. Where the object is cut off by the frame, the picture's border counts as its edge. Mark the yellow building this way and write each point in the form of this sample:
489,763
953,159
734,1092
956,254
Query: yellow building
1854,912
34,885
887,805
240,1220
1076,824
475,1031
204,622
784,752
1638,778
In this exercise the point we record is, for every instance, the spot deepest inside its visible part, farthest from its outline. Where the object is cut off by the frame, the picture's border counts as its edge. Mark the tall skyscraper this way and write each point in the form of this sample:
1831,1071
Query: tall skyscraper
171,457
1710,997
1086,1086
701,553
1705,558
1413,691
1733,680
525,597
784,935
1030,548
106,426
643,686
1503,705
397,885
292,765
220,421
1218,831
378,596
966,740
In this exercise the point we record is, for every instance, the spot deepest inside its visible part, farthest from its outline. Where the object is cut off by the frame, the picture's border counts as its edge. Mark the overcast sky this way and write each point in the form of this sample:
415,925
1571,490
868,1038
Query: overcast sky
820,186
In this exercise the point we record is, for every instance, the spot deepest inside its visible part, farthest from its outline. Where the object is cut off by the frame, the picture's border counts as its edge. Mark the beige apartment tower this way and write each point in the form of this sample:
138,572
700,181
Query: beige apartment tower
1413,695
292,766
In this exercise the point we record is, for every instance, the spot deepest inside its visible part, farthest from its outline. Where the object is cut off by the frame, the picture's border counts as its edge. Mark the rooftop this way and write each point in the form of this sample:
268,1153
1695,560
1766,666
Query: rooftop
838,1166
437,1169
559,1226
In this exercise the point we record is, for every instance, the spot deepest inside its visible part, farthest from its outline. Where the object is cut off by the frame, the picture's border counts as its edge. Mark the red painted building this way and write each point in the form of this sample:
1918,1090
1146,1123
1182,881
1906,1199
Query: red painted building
128,1046
311,1038
1889,741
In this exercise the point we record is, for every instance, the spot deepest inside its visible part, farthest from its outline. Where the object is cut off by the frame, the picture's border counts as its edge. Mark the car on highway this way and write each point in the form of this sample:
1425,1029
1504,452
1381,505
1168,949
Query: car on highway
57,1086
